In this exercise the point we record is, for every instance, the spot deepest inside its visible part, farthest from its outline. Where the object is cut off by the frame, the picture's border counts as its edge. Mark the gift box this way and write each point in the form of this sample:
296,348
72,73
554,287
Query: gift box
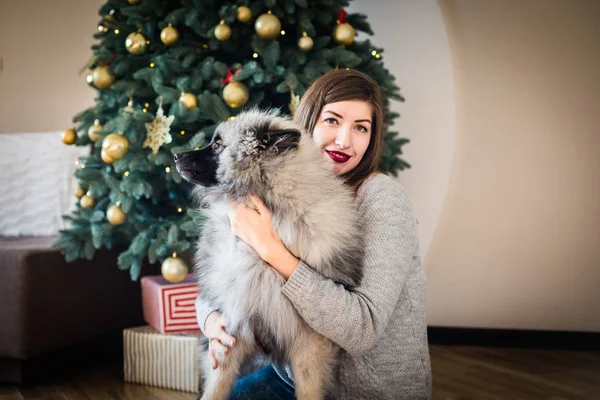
170,307
161,360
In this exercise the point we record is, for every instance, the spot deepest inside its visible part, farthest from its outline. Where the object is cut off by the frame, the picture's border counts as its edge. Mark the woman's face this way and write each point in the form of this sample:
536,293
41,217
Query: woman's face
343,130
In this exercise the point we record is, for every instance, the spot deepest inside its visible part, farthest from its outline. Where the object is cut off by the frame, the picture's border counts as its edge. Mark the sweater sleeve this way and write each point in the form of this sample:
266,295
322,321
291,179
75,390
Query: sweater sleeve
355,319
203,310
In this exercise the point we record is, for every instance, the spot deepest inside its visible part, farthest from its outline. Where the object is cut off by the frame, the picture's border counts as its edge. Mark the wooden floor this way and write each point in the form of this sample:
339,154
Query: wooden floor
459,373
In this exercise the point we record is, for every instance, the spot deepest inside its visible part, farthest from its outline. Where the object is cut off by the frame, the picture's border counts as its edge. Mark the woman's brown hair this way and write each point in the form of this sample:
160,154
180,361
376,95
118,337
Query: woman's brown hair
342,85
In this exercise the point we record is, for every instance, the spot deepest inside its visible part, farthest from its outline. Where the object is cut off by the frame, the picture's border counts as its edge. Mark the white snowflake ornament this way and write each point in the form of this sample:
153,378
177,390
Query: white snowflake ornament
157,131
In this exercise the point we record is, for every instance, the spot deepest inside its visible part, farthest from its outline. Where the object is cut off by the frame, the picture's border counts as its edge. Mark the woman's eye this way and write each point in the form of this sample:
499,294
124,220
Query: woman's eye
331,120
362,128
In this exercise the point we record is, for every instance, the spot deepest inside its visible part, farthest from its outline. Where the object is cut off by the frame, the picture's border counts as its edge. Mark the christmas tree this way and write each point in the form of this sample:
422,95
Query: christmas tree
167,72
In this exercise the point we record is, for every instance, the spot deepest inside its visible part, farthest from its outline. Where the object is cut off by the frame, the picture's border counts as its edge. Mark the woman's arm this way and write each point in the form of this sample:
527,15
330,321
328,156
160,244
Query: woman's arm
355,319
255,227
203,310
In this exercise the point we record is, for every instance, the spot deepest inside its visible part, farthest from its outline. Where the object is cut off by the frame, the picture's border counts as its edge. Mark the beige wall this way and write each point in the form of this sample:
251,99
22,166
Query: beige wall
416,50
42,46
518,241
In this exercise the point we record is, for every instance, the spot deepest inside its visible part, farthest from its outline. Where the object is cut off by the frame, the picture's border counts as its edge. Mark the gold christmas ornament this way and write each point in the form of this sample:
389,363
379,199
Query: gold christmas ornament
244,14
87,201
102,78
135,43
305,43
106,158
222,31
115,146
189,100
69,136
79,192
174,269
115,214
134,2
169,35
95,130
235,94
267,26
344,34
158,132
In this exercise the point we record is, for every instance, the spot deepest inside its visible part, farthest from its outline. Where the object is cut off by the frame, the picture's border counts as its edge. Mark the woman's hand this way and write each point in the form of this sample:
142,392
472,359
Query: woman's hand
219,341
255,227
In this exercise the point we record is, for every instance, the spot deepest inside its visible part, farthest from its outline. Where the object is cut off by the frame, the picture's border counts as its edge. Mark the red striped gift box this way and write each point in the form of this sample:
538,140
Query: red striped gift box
169,307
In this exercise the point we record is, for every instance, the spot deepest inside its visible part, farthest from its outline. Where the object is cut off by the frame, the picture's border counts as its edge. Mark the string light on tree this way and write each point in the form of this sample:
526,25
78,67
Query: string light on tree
267,26
222,31
174,269
235,93
69,136
243,14
169,35
135,43
343,33
134,2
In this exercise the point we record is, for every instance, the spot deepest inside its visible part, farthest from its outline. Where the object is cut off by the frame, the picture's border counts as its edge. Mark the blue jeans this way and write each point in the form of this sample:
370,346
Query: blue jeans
264,384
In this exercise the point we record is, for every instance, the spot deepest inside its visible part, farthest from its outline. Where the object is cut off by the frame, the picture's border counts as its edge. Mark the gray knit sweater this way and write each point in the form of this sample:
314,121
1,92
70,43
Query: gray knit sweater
380,325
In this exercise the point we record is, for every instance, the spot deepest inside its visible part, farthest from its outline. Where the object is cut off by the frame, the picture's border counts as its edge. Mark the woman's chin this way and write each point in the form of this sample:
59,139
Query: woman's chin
336,168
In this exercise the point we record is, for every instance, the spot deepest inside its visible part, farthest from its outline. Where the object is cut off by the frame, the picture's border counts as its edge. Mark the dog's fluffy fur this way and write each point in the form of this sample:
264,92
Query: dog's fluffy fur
313,212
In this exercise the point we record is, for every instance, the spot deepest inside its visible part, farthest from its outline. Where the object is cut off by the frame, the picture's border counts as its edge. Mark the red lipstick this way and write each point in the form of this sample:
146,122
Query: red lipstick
338,156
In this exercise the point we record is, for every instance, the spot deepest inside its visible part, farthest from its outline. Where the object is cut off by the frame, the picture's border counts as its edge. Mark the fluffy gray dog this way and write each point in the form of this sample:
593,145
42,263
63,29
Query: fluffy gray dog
313,213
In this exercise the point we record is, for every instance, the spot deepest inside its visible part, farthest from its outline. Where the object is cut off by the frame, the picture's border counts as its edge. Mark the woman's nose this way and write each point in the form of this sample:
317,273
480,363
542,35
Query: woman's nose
343,138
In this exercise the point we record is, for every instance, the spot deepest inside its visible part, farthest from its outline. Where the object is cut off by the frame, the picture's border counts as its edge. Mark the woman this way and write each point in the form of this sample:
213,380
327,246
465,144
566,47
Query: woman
379,325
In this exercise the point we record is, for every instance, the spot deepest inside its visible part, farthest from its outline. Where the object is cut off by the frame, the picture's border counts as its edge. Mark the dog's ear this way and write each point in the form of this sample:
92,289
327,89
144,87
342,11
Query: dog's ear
286,139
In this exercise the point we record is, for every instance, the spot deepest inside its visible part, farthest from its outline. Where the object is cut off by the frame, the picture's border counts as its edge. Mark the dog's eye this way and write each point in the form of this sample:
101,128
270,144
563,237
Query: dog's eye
217,146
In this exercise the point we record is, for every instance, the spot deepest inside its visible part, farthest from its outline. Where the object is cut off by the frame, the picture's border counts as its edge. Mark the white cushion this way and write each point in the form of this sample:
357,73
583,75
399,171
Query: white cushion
37,183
